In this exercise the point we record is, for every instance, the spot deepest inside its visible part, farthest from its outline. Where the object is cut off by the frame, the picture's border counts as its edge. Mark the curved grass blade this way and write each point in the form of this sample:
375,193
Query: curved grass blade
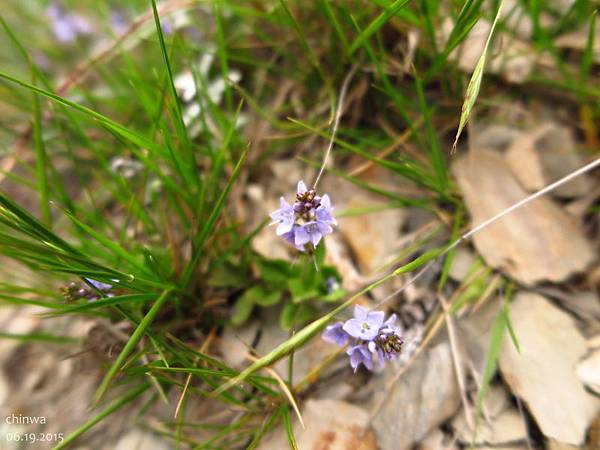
379,21
131,344
312,329
115,406
475,82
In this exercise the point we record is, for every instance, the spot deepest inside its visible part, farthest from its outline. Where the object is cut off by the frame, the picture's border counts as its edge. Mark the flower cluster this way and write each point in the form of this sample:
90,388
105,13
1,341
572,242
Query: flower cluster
75,291
306,221
369,334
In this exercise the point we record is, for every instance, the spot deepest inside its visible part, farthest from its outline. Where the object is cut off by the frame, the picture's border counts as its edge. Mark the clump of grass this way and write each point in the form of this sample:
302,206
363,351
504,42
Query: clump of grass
163,234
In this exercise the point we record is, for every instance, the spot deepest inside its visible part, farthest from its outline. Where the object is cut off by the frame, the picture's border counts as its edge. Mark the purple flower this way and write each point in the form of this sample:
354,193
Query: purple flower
369,335
284,216
99,285
334,334
290,236
67,27
119,22
359,354
306,221
324,211
312,232
365,325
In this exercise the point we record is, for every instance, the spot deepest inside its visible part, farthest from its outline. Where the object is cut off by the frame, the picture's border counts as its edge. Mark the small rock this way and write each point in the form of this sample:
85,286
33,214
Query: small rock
544,155
551,444
543,374
437,440
588,371
236,342
461,264
425,396
534,243
507,427
329,424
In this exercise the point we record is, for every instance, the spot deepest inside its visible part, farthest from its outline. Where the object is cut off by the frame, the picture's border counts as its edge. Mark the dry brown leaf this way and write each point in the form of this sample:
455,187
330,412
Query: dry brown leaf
537,242
544,155
543,373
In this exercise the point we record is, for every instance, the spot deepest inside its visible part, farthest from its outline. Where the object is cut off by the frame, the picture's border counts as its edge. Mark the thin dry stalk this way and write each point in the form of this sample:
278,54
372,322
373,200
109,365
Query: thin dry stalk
336,122
188,380
456,360
284,388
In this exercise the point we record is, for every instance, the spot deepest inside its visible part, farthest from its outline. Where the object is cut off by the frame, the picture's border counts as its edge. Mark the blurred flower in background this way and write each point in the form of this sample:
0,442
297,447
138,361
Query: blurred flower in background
67,27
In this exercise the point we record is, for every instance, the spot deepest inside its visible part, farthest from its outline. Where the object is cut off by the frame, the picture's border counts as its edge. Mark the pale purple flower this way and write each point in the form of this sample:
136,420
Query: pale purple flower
284,216
67,27
312,232
365,325
390,327
334,334
119,22
369,335
324,211
290,236
332,285
305,222
359,354
99,285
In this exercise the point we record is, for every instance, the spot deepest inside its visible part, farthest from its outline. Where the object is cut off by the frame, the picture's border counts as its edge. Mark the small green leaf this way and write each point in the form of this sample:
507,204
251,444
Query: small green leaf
334,296
269,298
228,276
241,311
301,290
320,254
294,314
274,271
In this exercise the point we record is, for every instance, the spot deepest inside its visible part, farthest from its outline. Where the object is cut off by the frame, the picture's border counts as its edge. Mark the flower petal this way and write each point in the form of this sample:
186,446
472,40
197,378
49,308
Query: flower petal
360,313
302,236
301,187
283,228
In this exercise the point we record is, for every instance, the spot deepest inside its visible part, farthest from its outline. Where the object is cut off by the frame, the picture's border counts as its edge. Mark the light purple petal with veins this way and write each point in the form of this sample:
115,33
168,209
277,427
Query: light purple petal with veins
364,326
335,335
284,216
359,354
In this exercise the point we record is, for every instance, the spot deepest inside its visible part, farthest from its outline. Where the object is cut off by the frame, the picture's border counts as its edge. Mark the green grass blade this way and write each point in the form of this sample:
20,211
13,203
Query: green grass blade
312,329
109,301
587,60
131,344
475,82
496,338
307,48
39,337
115,406
41,159
379,21
111,245
212,219
179,124
118,129
289,430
